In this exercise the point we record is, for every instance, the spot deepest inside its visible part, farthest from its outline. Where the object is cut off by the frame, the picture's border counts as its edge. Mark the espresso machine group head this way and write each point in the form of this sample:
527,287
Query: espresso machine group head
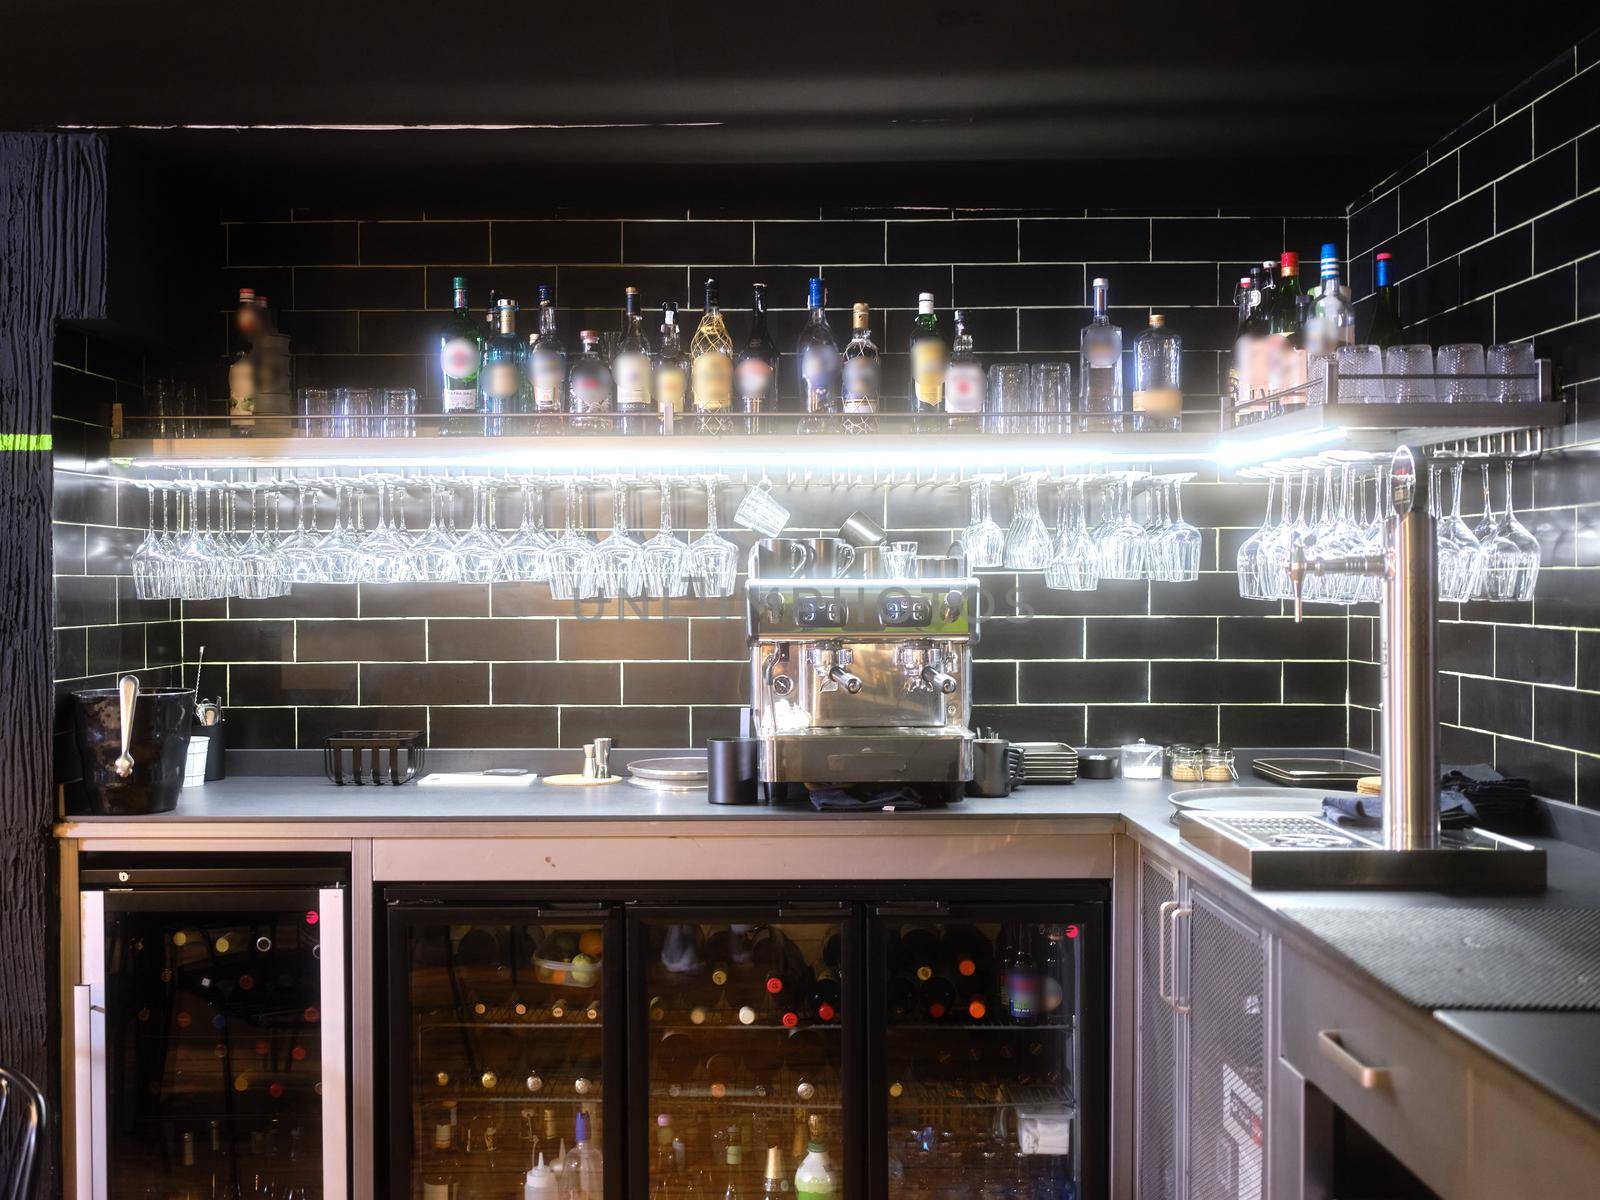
857,676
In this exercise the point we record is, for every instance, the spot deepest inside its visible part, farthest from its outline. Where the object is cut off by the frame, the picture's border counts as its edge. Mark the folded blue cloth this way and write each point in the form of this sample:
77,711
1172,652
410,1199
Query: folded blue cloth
1366,812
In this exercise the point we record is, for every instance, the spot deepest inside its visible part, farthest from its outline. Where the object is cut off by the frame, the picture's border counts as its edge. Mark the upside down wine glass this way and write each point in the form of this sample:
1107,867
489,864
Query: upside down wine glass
715,560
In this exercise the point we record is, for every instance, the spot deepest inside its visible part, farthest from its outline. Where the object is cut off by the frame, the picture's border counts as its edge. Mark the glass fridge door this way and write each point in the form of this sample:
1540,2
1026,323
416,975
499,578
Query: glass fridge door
990,1049
500,1081
740,1027
216,1057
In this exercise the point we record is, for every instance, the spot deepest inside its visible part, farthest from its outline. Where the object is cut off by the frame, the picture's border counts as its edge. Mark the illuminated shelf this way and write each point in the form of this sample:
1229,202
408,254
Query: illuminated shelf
885,454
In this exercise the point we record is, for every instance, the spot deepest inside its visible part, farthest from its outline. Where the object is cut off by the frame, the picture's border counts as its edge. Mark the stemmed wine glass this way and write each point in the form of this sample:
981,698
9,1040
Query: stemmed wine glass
714,559
340,548
478,550
1028,546
301,551
382,554
152,567
1248,562
527,552
1461,559
618,557
1123,545
1075,564
1175,549
431,556
668,562
1511,552
983,539
571,556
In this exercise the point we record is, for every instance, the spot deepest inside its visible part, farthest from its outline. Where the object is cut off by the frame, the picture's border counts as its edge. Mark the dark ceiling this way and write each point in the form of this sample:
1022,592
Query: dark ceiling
1080,102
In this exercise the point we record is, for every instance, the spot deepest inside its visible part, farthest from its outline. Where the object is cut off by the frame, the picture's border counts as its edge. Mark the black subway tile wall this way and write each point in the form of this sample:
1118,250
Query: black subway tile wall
1497,238
505,666
102,628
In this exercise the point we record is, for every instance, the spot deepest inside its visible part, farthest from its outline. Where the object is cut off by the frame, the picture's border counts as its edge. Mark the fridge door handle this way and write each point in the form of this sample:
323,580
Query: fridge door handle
89,1045
1178,913
336,1017
801,912
1164,914
913,908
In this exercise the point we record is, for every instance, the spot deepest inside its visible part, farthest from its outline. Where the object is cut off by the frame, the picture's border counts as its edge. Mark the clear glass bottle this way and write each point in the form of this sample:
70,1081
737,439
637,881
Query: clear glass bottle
671,364
460,359
929,359
861,383
589,386
1157,378
503,380
547,359
965,388
711,359
755,372
1100,347
630,368
1330,323
817,351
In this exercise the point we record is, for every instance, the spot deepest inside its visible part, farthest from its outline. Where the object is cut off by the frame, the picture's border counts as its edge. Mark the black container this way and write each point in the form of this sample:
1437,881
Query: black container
158,744
732,770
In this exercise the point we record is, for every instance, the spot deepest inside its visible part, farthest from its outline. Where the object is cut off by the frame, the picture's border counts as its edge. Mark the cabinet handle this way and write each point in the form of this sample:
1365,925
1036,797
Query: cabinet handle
1331,1043
1182,910
1161,950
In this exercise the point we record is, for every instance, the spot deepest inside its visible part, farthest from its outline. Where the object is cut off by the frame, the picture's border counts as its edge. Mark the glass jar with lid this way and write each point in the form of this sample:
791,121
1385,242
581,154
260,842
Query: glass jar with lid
1185,763
1219,766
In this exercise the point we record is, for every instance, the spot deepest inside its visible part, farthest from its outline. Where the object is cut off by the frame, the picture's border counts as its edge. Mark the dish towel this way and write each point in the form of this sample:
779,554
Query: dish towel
870,798
1475,794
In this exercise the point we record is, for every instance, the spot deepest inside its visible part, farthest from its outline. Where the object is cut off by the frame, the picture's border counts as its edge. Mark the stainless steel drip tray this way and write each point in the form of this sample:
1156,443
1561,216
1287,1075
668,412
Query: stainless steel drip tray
1295,851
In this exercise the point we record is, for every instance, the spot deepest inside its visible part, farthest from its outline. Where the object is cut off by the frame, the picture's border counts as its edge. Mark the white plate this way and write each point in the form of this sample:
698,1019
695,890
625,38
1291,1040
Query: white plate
1250,799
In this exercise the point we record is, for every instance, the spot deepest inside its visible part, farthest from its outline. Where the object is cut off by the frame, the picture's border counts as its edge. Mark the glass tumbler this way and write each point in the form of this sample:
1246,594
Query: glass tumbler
1513,373
1460,370
1410,371
1052,397
398,407
1359,368
1010,403
315,407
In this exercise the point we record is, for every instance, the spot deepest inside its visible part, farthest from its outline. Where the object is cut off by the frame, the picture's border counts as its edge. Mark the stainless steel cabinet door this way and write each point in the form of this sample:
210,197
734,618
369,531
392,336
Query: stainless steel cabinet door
1159,1171
1224,989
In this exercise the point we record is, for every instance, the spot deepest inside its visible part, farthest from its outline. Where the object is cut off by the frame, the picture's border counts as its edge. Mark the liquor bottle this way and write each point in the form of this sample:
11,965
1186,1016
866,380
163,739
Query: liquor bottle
1385,329
1331,323
547,359
503,380
1100,346
964,384
814,1177
444,1167
630,368
1022,980
1252,351
929,359
1285,329
672,363
818,353
589,386
247,318
711,362
1157,378
773,1184
460,358
861,385
756,369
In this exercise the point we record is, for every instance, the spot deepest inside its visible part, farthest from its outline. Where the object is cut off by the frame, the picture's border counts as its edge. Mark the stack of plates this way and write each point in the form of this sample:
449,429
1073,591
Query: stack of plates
686,774
1048,762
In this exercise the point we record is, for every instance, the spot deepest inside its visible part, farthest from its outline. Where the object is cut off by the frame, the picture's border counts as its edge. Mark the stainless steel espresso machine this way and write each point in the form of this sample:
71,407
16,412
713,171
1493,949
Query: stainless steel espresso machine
859,676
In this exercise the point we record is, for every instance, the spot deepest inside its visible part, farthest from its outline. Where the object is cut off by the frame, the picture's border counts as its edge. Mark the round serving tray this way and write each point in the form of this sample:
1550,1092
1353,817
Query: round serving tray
663,785
685,769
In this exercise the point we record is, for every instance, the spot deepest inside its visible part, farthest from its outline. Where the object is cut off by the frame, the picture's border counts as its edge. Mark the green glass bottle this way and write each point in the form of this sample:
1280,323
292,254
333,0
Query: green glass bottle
1385,329
460,357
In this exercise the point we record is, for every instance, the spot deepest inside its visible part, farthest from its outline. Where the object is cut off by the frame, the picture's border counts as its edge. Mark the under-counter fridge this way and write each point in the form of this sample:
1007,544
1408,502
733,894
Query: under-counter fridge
890,1042
210,1030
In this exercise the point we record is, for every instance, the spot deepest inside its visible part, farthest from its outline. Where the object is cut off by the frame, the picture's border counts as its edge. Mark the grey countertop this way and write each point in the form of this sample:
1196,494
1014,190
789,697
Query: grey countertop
1537,1045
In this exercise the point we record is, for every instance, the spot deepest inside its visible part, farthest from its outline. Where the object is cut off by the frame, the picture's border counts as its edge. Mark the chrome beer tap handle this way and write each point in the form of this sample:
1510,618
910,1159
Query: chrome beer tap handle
1302,564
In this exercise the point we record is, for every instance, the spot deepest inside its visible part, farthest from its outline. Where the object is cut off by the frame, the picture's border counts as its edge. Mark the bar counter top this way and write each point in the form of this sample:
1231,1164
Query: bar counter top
287,809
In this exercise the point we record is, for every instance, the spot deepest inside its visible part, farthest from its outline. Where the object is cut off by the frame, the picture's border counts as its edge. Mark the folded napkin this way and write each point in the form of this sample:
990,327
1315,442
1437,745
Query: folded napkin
1474,794
871,797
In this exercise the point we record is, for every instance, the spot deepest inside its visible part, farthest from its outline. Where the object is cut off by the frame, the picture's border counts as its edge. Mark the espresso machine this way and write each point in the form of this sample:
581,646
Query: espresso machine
860,676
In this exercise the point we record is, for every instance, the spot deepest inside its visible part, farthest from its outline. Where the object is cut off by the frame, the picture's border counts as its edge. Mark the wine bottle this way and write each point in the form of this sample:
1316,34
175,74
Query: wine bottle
711,359
503,386
756,369
630,367
900,996
826,995
861,392
920,945
929,358
444,1167
547,361
818,353
1286,329
937,997
773,1184
1385,329
1022,980
671,380
734,1157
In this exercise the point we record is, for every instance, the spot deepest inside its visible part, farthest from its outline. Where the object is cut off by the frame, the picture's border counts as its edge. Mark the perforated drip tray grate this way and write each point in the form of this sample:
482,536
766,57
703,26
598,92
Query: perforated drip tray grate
1285,851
